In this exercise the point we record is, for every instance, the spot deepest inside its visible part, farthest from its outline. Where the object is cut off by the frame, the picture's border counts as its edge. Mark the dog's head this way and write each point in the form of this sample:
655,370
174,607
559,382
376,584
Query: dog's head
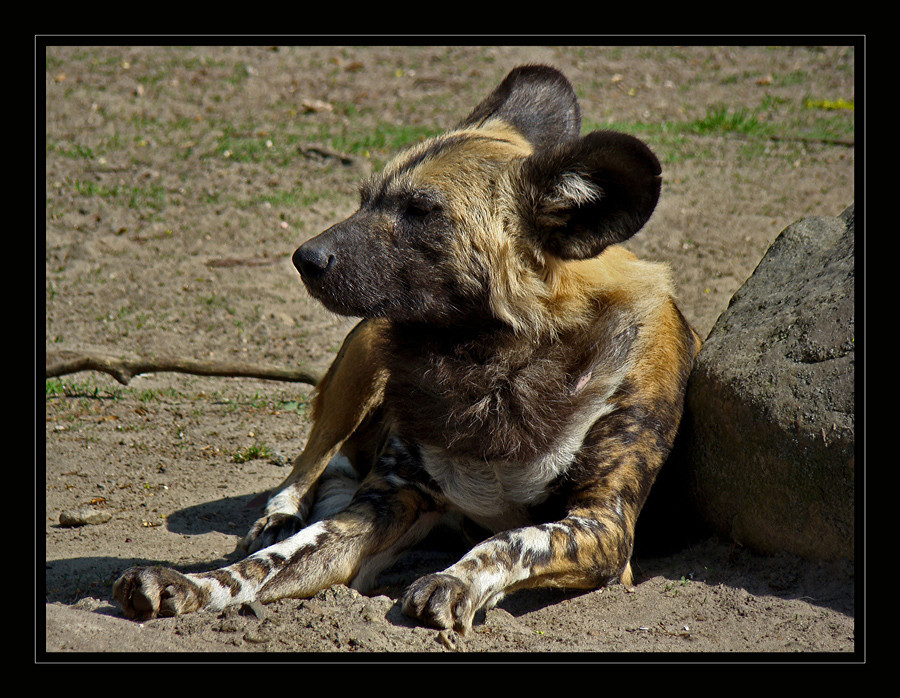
456,226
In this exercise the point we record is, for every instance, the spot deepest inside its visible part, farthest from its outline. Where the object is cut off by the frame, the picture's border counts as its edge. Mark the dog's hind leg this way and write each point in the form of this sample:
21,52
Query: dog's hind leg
349,393
387,514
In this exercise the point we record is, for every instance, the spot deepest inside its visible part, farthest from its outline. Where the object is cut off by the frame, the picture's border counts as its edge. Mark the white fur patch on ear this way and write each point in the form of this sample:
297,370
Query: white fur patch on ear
569,191
573,189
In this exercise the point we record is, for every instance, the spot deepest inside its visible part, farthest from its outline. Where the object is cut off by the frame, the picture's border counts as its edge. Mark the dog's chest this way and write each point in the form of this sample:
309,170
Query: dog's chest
498,493
498,420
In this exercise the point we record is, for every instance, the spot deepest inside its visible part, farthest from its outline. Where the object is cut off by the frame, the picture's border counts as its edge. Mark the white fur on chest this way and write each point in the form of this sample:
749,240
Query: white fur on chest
497,493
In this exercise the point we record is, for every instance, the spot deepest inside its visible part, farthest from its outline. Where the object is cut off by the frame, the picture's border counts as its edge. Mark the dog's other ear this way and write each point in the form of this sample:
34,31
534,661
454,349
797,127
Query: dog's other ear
538,100
584,194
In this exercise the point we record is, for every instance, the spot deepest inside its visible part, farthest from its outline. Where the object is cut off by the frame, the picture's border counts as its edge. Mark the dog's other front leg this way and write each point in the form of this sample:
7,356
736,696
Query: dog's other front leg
346,401
386,516
585,550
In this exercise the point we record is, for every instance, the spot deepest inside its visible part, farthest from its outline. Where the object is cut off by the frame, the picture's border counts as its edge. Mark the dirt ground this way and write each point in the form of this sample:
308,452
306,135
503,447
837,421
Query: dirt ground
178,183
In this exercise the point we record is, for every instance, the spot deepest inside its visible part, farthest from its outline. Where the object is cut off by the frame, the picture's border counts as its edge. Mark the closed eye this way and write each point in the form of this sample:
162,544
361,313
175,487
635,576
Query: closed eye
420,207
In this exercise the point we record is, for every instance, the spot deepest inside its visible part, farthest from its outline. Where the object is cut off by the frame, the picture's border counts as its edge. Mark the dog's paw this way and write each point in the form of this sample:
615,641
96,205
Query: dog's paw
148,592
269,530
441,601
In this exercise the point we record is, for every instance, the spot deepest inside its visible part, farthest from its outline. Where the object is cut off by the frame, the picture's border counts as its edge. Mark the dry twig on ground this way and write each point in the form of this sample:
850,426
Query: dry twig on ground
123,370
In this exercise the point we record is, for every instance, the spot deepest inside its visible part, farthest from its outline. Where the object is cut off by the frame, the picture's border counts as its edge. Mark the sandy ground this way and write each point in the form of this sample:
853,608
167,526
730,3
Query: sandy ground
178,183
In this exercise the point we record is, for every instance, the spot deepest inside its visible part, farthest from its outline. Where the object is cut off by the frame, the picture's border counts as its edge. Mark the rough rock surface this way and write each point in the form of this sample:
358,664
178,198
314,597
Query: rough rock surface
770,426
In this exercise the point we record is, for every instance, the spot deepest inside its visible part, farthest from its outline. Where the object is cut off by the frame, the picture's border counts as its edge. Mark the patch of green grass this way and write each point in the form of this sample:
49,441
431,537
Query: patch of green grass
152,196
298,406
794,77
155,77
774,119
238,146
70,150
385,138
252,453
253,144
239,73
670,138
215,301
720,119
92,189
256,144
827,119
258,401
128,318
295,197
57,387
153,394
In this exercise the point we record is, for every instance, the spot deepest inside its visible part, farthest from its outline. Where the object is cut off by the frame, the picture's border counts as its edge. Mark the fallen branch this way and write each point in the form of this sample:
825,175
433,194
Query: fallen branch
123,370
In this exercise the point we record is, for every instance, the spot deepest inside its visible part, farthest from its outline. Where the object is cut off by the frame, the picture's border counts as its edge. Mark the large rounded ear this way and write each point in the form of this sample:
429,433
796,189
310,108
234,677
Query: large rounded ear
584,194
538,100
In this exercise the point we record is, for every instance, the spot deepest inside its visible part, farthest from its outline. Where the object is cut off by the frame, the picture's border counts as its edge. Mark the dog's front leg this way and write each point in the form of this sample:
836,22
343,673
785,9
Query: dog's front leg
384,518
345,400
312,559
587,549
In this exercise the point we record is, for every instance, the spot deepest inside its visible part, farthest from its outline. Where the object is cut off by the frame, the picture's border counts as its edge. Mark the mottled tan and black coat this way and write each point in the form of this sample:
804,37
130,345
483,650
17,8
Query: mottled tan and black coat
514,365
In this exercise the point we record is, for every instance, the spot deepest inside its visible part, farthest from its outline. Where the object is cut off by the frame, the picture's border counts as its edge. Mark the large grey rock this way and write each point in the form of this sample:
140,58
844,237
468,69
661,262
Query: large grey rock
769,432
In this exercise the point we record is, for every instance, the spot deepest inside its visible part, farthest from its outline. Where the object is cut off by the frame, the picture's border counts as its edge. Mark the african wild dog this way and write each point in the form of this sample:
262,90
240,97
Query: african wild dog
514,365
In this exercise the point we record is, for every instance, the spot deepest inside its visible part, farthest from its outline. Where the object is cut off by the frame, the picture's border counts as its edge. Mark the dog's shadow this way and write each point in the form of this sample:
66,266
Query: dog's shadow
70,579
230,515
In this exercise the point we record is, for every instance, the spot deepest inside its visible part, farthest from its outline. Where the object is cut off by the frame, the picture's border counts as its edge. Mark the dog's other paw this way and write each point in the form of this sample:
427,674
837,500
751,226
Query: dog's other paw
148,592
269,530
441,601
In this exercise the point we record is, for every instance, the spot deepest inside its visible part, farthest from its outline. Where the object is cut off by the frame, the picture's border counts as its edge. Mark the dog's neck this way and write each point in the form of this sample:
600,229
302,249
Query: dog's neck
489,393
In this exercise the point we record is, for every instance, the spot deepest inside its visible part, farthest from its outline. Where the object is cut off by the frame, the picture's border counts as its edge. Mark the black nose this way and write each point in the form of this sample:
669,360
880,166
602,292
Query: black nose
312,260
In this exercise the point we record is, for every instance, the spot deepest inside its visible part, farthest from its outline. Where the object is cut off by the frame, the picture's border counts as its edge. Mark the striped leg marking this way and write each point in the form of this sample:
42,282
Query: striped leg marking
350,547
288,511
148,592
577,552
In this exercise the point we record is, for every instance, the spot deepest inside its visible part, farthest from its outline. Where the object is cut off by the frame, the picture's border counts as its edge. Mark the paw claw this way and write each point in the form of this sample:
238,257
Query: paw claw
440,601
